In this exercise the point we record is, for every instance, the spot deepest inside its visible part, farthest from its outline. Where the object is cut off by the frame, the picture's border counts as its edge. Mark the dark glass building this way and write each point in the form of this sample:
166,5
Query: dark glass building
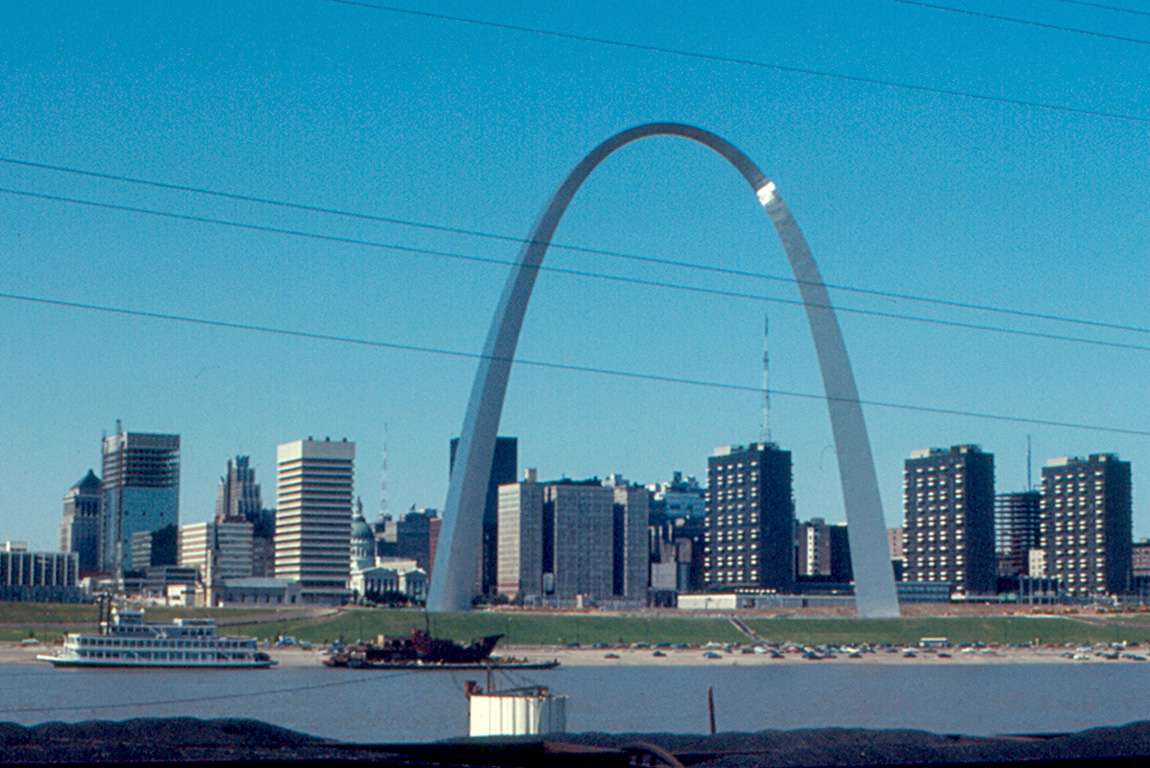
750,519
948,508
504,470
1017,530
1086,524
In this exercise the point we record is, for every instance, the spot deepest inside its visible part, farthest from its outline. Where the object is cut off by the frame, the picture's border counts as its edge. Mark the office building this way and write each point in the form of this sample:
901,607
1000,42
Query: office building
80,528
948,508
217,550
154,548
140,490
38,576
314,481
679,497
750,519
813,545
238,493
1017,530
1140,559
416,537
504,469
238,498
630,561
556,541
841,570
1086,524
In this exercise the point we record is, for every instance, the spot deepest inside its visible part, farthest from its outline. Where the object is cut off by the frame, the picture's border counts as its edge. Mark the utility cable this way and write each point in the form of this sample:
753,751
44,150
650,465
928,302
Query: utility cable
760,64
1024,22
1105,7
550,365
690,288
727,271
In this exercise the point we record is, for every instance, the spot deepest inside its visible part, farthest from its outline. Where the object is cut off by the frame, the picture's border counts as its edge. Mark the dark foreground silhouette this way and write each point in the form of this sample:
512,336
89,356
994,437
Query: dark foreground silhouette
240,742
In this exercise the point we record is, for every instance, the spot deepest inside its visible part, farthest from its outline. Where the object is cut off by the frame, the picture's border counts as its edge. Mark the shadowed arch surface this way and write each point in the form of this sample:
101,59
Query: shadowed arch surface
458,550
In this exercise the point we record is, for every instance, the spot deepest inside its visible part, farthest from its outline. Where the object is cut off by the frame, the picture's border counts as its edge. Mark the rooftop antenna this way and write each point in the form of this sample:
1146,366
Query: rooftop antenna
1029,483
383,478
766,425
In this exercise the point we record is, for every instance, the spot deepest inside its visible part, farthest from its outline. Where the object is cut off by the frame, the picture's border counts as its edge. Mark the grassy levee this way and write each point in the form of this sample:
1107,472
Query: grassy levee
967,629
48,621
517,628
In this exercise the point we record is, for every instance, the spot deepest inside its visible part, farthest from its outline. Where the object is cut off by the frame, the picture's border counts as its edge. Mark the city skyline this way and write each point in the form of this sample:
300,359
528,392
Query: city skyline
379,135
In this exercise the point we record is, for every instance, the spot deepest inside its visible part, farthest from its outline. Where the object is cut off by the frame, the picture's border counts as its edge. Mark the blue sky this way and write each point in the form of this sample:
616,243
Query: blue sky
474,127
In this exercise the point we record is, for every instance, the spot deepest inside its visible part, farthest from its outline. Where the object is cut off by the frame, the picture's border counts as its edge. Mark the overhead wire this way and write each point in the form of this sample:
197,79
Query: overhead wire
553,365
590,274
758,63
1023,21
1105,7
615,254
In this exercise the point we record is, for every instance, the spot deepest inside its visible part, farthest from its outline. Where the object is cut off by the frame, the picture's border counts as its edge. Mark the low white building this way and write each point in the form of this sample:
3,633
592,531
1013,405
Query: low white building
391,575
250,590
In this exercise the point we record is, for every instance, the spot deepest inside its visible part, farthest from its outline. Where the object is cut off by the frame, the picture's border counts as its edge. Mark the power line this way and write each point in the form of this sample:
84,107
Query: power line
789,69
621,255
201,699
546,364
1024,22
1105,7
662,284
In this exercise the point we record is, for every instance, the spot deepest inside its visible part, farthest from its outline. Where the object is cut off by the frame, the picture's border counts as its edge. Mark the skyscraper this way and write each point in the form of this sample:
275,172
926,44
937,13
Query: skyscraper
556,540
1017,530
313,518
630,556
1086,524
140,489
750,518
238,499
504,469
80,528
948,528
238,494
416,536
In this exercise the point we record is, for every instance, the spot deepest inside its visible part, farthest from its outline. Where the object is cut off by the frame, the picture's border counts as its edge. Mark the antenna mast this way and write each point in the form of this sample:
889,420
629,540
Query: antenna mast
1029,483
766,426
383,478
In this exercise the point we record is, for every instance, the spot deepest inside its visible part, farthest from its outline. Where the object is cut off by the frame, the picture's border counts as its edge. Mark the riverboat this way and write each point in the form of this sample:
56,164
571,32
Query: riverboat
126,640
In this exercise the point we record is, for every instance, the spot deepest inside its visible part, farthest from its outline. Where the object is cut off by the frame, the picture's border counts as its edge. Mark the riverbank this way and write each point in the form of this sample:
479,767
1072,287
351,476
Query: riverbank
242,742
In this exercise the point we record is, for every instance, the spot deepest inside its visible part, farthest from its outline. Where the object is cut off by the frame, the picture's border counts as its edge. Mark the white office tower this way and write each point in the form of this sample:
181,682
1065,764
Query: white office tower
313,517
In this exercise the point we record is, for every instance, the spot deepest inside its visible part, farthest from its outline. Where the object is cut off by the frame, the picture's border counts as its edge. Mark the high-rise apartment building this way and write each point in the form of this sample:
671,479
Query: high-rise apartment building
504,469
80,528
217,550
948,508
314,481
556,541
750,519
140,490
841,569
1017,530
1086,524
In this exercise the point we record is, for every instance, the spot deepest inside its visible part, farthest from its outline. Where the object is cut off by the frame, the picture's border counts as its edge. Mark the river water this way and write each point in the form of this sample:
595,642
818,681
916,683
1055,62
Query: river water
368,706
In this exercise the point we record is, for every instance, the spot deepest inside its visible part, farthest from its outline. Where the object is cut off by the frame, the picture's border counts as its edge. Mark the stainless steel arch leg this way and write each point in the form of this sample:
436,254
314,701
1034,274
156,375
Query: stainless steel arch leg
456,562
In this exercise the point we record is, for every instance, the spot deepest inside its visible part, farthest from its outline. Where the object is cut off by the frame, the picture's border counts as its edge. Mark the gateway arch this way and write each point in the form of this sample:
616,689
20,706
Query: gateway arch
458,549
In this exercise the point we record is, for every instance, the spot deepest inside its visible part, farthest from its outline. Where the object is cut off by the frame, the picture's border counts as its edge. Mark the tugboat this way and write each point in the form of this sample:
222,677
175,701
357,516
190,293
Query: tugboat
423,651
